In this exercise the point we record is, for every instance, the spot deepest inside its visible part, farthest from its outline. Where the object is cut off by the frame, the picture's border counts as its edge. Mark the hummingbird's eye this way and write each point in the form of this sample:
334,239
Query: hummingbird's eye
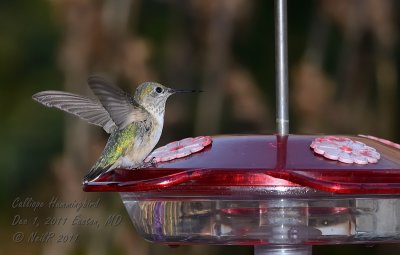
159,89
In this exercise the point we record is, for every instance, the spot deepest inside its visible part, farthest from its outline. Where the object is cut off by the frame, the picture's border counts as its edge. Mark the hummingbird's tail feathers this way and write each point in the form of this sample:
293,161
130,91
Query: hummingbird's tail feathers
123,108
85,108
94,173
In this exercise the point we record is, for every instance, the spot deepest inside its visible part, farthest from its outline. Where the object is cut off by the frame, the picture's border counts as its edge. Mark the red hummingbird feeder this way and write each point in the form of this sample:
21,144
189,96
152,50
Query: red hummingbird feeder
280,193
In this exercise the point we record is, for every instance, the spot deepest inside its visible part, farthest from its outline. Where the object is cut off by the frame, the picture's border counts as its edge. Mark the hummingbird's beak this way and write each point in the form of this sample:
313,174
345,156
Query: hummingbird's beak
173,91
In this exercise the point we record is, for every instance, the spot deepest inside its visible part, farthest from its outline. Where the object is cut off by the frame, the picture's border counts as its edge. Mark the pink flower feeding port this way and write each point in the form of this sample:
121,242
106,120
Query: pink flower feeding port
179,149
345,150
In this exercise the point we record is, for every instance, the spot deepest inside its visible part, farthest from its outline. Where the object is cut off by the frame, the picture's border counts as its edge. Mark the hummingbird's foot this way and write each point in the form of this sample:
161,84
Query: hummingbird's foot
151,163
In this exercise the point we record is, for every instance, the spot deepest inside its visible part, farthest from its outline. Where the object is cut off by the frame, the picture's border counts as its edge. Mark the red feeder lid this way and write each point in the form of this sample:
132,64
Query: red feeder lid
243,164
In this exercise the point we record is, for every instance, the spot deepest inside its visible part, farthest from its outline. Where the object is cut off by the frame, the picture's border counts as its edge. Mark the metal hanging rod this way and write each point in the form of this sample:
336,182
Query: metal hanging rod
282,102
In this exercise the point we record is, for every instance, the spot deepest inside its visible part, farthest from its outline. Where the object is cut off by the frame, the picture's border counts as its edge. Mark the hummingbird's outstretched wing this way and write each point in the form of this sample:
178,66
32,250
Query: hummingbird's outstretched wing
85,108
122,107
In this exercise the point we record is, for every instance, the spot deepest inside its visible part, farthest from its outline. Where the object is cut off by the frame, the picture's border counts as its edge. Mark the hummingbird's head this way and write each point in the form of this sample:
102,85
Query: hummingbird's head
153,96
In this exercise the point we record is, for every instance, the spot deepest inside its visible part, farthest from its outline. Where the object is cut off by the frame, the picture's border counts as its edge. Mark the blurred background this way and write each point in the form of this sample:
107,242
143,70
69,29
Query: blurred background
343,65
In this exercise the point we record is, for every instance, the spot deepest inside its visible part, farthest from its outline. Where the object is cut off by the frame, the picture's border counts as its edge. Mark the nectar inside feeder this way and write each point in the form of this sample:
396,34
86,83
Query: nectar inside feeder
281,193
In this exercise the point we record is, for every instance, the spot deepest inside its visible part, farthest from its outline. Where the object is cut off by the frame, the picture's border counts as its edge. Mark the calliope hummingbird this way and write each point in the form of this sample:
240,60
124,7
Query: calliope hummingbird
134,122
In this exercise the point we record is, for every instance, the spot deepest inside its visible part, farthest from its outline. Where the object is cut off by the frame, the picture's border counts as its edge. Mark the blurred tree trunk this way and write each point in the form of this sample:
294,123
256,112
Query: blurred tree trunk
218,18
93,34
78,20
362,96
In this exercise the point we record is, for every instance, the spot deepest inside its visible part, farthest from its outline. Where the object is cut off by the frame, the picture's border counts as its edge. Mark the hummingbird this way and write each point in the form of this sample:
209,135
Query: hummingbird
135,123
